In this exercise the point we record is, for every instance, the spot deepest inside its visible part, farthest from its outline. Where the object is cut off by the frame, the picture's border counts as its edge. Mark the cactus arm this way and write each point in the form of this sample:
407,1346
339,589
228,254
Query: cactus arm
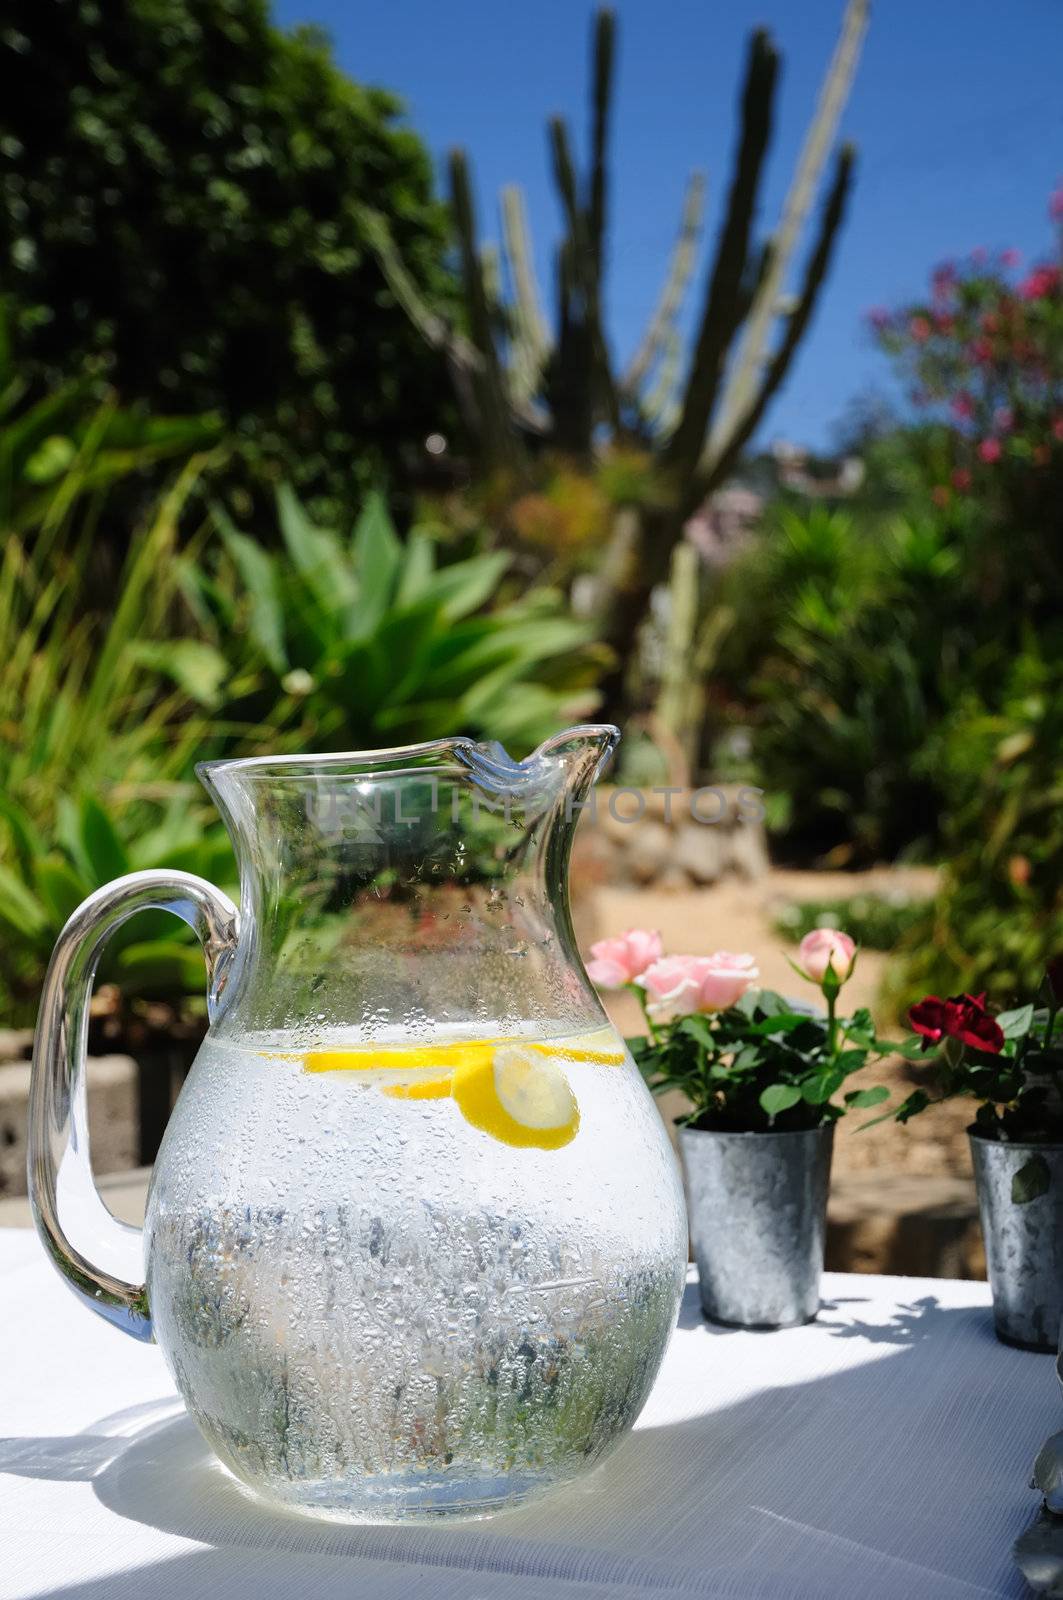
722,297
433,328
489,387
564,171
655,342
461,356
717,468
531,340
584,278
658,409
602,93
837,84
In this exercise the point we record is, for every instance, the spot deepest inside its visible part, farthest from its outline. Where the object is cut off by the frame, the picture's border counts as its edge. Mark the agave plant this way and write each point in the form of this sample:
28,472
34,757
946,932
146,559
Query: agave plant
366,639
45,874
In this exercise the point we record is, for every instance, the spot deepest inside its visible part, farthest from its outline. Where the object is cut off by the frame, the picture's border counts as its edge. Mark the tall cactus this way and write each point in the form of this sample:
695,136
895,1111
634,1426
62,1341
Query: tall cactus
522,388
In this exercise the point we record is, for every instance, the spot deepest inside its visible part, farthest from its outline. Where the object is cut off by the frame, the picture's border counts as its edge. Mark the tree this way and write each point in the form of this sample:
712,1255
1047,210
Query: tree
182,195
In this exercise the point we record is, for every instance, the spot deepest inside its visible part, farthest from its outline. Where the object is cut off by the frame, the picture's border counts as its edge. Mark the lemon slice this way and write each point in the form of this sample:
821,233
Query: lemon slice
518,1097
400,1058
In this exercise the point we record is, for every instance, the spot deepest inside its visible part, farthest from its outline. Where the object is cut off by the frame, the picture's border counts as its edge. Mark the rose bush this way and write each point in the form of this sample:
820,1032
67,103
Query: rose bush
1010,1064
746,1058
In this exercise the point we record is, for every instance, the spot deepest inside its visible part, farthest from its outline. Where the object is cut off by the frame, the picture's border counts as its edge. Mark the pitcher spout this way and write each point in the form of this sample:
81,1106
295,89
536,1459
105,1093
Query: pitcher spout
582,752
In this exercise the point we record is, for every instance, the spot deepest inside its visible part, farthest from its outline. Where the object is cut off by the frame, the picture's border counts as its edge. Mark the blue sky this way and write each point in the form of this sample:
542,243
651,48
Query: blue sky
957,112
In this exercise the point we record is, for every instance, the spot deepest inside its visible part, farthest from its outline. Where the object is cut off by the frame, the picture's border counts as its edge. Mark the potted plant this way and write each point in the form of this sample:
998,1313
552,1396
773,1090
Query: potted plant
1012,1065
761,1073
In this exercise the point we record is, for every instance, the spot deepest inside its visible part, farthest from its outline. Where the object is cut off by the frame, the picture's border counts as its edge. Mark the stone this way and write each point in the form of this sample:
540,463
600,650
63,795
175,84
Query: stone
672,880
747,850
649,852
699,851
113,1118
16,1044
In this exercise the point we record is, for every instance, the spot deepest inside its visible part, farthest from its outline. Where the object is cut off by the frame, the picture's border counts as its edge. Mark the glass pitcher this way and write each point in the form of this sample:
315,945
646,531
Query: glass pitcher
415,1237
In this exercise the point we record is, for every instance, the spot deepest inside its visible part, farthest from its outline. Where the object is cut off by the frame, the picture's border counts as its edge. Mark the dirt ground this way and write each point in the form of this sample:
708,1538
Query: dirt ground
737,915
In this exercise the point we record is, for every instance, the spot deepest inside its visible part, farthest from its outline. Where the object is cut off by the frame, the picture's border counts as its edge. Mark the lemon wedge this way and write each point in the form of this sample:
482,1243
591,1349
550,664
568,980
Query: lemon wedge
518,1097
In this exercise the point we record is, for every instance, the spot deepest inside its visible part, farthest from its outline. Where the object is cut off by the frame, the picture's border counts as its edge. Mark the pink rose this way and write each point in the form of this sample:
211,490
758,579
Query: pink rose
1010,258
963,407
920,329
989,450
825,948
618,961
677,985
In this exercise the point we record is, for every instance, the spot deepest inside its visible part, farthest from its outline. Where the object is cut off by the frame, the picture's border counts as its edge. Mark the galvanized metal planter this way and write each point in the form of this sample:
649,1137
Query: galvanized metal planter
757,1204
1023,1243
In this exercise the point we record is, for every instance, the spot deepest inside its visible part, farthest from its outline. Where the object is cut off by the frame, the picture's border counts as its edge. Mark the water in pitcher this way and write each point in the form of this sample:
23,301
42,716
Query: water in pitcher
392,1275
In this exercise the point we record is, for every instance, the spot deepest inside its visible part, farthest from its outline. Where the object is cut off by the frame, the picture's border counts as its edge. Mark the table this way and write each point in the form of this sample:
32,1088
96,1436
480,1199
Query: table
882,1452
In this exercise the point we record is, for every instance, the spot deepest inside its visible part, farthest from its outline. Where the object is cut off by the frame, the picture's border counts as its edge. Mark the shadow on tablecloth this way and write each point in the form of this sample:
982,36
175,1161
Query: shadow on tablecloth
855,1483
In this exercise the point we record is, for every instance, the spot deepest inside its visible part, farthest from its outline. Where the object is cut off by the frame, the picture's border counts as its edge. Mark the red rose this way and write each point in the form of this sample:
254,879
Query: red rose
962,1017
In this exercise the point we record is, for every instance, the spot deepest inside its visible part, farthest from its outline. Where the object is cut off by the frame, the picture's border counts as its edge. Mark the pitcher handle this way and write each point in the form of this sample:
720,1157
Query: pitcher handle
61,1184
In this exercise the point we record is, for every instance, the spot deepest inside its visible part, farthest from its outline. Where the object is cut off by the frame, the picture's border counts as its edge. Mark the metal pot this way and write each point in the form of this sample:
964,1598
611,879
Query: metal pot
1023,1243
757,1204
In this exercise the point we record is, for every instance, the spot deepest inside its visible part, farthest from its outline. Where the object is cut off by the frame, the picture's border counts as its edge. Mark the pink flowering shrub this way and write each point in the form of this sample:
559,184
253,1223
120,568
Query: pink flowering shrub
983,353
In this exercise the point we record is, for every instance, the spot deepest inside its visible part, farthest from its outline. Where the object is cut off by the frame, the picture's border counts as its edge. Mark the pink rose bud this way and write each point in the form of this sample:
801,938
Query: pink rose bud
677,985
615,962
823,949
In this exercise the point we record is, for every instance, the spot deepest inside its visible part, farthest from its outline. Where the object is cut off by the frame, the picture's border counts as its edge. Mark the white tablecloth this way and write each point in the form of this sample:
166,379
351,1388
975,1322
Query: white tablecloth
882,1452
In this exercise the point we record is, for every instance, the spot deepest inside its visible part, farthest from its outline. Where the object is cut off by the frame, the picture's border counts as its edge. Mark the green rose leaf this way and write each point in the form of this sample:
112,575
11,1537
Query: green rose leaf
850,1061
860,1099
817,1090
785,1022
697,1028
1031,1181
1016,1024
779,1097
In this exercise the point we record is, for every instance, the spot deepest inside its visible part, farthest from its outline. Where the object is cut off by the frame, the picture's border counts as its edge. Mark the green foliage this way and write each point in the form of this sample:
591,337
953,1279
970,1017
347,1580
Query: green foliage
761,1065
884,646
64,449
348,642
998,918
97,745
875,921
837,639
183,192
44,876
